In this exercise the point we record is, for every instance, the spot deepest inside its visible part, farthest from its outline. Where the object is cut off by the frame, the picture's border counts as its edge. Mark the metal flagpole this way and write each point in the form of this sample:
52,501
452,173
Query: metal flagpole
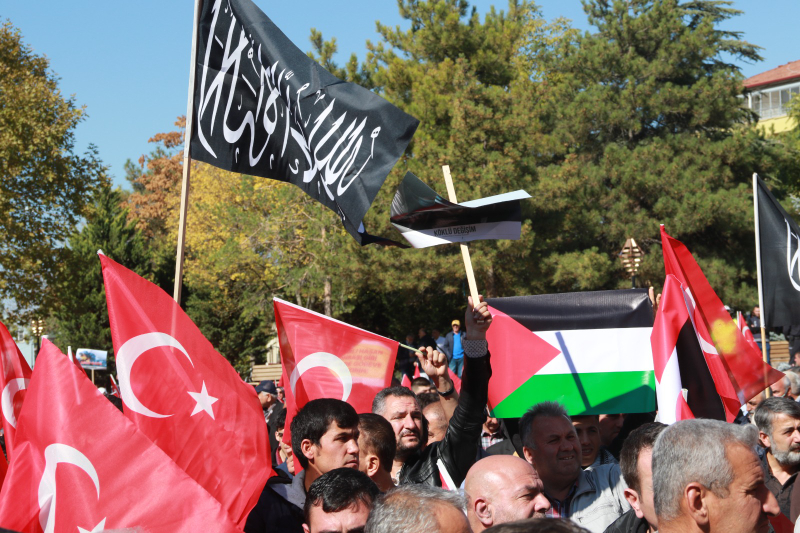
187,159
758,274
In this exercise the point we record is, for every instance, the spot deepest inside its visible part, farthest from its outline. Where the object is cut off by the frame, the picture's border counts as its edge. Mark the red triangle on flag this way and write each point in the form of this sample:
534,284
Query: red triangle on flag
517,354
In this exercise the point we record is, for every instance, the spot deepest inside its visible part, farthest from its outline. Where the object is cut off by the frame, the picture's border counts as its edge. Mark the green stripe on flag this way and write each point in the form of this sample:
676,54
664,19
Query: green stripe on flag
584,394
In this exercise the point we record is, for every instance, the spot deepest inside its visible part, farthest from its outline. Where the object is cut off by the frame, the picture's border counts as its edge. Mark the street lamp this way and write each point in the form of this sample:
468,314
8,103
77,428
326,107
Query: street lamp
37,328
631,256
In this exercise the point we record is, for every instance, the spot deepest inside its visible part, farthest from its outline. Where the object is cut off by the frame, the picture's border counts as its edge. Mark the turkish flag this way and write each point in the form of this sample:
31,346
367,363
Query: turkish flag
15,374
183,395
326,358
81,465
738,371
741,323
405,382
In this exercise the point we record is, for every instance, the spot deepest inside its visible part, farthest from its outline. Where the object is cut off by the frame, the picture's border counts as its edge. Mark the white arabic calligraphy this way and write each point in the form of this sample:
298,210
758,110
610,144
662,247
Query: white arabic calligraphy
792,259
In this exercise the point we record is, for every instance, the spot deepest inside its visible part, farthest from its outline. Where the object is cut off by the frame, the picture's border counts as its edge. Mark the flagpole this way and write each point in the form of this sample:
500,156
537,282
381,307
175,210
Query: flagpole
473,287
187,159
758,275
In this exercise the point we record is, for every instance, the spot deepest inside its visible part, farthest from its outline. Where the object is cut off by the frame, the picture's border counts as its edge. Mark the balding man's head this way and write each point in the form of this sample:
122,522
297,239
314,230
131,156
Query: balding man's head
503,488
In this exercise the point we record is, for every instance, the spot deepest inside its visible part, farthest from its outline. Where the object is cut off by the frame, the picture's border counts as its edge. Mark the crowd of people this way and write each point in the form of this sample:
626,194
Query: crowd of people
431,459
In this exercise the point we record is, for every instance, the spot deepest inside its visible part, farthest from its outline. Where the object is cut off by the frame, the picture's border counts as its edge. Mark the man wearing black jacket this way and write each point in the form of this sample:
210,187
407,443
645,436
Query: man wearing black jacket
443,463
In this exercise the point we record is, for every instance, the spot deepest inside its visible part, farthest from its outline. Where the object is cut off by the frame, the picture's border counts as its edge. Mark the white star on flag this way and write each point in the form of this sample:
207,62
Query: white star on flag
96,529
204,401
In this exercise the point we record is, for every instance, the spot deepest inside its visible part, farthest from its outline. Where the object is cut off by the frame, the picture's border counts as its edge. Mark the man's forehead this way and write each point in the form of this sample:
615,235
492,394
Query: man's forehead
401,403
334,429
545,425
785,420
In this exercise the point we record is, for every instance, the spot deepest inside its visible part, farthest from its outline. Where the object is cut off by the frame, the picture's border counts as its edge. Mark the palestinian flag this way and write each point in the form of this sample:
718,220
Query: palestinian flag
589,351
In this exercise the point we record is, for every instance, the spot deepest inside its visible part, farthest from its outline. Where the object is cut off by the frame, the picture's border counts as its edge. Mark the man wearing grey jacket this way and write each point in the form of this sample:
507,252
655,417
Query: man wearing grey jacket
592,498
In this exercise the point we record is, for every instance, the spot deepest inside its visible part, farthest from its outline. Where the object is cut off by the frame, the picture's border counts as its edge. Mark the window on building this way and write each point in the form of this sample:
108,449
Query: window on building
772,103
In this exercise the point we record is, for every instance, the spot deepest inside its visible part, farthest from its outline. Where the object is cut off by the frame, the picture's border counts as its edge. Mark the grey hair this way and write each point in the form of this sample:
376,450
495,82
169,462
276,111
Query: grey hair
409,509
549,409
379,402
766,411
694,451
794,381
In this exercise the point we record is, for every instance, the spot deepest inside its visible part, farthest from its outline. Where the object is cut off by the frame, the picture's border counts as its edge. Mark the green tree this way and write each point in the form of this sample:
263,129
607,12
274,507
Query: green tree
43,184
80,313
643,125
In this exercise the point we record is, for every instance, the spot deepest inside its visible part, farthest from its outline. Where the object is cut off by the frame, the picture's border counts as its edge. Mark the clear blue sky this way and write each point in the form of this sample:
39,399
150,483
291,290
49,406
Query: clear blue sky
128,62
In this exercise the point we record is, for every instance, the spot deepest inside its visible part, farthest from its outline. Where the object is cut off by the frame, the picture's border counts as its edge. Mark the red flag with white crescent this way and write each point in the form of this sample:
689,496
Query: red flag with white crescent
325,358
745,329
114,387
738,371
81,465
183,395
15,374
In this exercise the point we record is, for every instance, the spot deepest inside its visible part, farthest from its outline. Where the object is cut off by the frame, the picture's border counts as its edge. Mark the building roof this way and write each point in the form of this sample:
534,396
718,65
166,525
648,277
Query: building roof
783,73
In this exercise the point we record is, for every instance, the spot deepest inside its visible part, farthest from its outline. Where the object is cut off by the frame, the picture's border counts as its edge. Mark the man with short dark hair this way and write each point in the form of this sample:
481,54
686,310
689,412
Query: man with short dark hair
339,501
592,454
376,447
778,423
422,385
610,427
451,457
707,478
635,461
324,437
591,498
455,347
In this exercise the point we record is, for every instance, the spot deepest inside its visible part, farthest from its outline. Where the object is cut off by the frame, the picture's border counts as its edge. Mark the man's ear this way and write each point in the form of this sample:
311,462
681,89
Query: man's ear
633,498
308,449
695,498
483,512
373,464
528,455
764,438
305,528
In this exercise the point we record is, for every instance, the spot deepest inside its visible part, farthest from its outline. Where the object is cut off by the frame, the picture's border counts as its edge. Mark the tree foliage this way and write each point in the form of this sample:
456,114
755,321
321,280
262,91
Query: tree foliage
44,186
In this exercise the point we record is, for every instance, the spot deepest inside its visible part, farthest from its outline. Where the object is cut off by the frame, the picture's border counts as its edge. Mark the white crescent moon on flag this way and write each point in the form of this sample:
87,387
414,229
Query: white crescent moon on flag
325,360
128,354
53,455
11,390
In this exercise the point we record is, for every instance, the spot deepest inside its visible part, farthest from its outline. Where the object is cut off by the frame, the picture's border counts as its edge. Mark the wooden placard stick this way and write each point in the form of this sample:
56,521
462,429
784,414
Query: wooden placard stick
473,287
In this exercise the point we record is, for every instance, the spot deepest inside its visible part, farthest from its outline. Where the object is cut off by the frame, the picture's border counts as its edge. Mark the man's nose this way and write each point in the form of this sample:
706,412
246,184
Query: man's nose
541,503
770,505
352,447
408,422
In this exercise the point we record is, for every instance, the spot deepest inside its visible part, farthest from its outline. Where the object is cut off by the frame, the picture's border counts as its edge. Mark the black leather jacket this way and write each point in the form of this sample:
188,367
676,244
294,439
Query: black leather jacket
459,448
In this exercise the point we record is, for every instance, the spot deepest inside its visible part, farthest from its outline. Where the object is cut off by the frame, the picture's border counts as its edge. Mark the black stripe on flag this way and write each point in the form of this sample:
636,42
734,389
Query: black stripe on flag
629,308
779,240
702,396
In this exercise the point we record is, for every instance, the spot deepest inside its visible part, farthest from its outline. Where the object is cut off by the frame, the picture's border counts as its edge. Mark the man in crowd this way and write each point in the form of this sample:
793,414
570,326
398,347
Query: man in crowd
283,458
421,385
746,417
324,437
778,423
434,414
455,347
588,429
418,509
405,358
376,446
441,343
492,433
339,502
591,498
610,426
424,339
268,396
503,488
707,478
636,464
451,457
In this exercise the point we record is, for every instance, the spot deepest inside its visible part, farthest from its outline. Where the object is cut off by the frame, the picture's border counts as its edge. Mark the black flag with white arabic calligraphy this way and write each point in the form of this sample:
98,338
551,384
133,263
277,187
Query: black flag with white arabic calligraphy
263,107
779,240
